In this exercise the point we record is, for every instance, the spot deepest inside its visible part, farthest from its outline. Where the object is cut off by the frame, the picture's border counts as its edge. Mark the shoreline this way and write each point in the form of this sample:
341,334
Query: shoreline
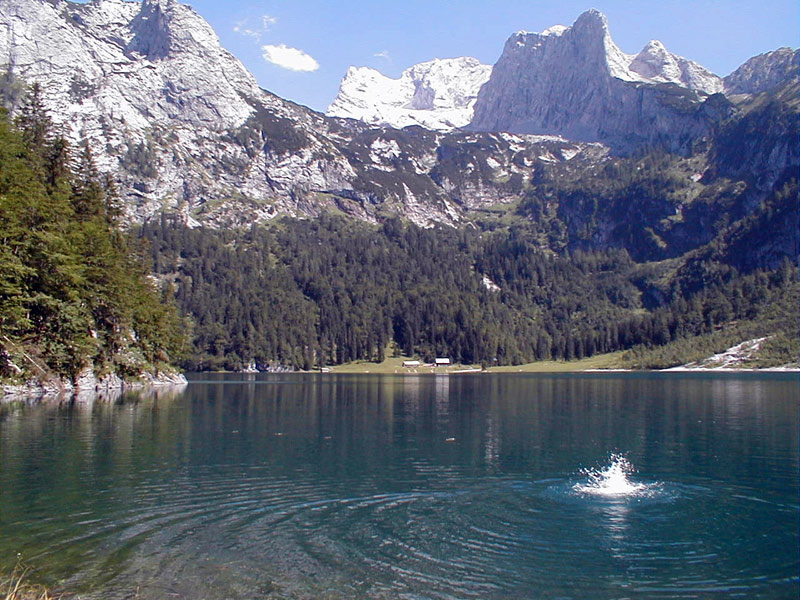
86,387
533,368
513,370
111,388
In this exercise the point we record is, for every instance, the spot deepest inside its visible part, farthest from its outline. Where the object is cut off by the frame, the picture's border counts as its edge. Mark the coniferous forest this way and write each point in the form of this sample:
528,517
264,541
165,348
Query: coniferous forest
527,285
309,293
74,290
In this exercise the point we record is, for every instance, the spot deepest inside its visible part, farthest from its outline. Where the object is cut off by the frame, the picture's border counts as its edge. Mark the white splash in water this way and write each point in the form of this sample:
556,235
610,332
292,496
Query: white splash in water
612,481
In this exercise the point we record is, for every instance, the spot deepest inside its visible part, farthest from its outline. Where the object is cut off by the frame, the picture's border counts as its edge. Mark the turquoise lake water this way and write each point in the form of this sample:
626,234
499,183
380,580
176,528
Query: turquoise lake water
415,487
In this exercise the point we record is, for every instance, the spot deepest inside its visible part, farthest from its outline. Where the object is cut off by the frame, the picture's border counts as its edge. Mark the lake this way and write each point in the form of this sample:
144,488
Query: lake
631,485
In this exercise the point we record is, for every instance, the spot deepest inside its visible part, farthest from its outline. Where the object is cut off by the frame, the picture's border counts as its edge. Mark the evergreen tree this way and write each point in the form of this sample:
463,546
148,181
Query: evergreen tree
72,294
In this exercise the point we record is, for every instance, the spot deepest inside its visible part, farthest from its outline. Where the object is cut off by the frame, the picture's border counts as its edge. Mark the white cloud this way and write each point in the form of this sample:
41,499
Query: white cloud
383,54
248,32
247,28
289,58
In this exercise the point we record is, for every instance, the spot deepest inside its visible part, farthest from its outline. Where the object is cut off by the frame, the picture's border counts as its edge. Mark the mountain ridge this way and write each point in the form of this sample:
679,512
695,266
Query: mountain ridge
438,94
763,72
363,91
576,82
185,128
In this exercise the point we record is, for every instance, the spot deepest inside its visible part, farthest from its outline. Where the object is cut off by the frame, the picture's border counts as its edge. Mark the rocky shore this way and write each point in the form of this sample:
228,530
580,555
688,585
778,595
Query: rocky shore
86,383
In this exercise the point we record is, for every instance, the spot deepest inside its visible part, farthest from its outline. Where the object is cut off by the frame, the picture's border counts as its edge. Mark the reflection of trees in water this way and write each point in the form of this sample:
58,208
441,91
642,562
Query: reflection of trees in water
492,443
442,398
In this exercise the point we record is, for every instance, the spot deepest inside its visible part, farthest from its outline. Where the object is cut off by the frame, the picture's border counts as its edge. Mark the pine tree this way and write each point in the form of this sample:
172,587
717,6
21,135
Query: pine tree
88,196
36,126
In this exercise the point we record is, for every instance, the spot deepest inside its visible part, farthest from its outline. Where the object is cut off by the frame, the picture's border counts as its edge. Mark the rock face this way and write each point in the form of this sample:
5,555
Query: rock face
105,61
654,64
186,129
124,76
577,82
764,72
88,386
438,95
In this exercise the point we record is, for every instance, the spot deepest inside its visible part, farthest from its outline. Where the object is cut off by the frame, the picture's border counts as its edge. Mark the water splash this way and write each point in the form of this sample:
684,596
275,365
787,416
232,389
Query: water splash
613,481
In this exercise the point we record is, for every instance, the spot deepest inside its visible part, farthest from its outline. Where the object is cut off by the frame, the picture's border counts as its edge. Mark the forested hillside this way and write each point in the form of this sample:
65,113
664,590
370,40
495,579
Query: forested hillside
308,293
74,292
666,257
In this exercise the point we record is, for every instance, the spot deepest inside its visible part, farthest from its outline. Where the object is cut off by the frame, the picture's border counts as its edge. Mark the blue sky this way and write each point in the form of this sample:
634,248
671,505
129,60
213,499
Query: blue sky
393,35
323,38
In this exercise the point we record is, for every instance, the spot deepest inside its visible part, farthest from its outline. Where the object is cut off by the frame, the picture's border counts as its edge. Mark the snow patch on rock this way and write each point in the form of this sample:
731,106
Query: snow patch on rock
732,358
439,94
489,284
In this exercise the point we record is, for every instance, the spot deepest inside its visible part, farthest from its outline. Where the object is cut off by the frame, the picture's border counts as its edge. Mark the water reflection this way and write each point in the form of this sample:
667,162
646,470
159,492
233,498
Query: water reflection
405,486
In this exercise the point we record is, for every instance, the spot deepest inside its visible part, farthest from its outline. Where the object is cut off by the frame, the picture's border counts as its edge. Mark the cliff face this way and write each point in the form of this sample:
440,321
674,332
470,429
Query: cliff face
575,81
764,72
186,128
146,83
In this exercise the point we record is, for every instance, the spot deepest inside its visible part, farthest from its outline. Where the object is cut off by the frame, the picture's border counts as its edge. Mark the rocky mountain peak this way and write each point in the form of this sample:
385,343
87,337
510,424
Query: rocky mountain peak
439,94
575,81
151,27
579,61
764,72
656,64
655,61
591,24
588,36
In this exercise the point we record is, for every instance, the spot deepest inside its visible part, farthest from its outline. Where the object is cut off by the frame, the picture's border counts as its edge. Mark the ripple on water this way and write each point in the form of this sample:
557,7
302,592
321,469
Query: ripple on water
471,539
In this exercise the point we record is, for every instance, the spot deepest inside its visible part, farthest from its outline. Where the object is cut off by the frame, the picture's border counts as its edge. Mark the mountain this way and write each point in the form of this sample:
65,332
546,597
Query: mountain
654,64
439,94
680,220
530,80
764,72
147,83
575,81
185,128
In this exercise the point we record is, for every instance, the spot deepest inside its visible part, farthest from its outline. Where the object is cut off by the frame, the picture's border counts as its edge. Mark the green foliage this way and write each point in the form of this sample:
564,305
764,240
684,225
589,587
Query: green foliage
73,292
771,313
140,159
327,291
243,304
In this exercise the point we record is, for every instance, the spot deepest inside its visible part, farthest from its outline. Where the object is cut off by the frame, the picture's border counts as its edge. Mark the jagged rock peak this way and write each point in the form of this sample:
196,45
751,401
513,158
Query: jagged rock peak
765,71
152,37
654,60
592,22
591,41
590,38
655,63
575,81
439,94
162,4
